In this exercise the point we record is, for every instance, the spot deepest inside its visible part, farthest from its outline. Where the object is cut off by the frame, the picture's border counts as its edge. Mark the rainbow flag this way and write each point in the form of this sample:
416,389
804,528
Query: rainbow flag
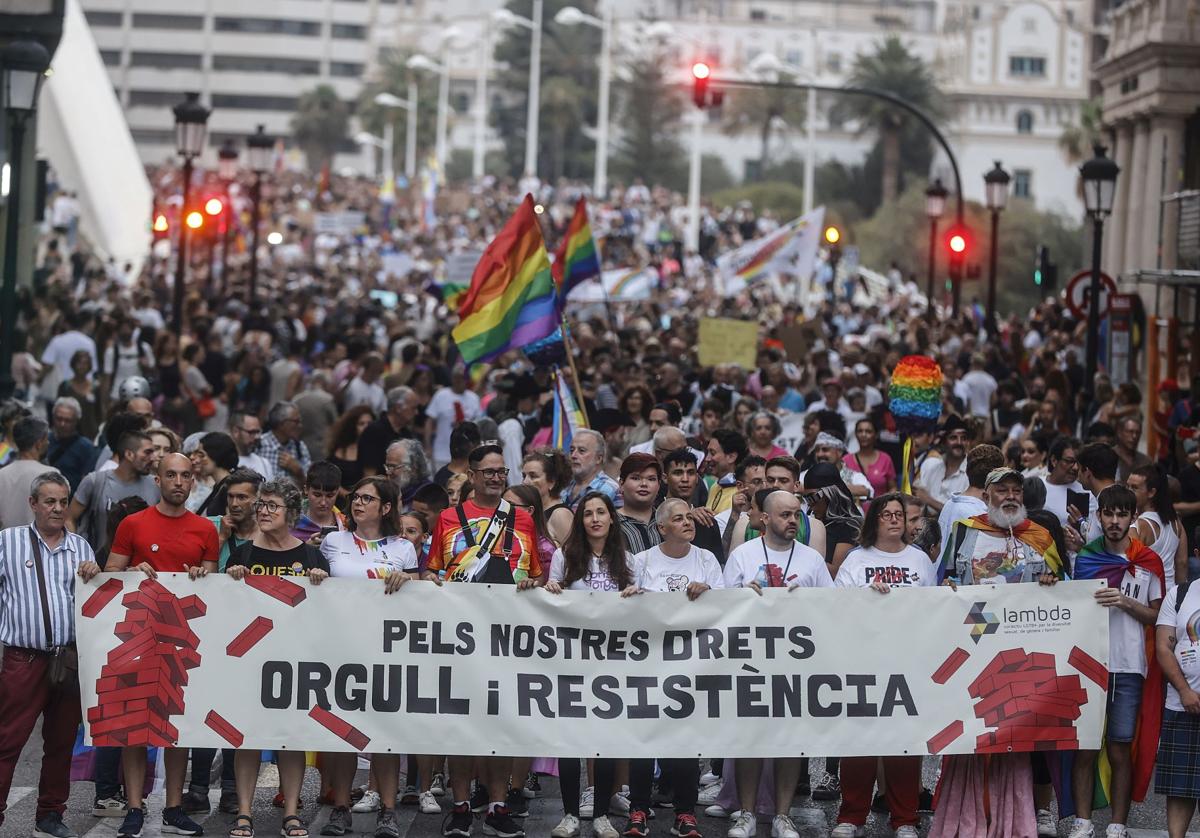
450,293
510,302
568,418
576,258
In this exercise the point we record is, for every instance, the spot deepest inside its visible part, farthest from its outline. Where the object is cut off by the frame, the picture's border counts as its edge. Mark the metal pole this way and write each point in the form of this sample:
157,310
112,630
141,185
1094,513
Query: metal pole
410,138
1093,322
389,151
533,108
481,103
255,197
600,187
181,266
930,309
230,214
443,112
692,239
810,151
991,297
12,235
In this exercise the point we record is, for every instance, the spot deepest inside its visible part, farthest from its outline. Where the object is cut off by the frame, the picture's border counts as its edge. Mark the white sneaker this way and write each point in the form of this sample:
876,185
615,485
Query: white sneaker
709,794
1116,830
602,828
848,830
708,778
907,831
429,804
587,803
743,825
369,803
716,811
782,827
1047,824
619,803
438,787
1081,829
568,827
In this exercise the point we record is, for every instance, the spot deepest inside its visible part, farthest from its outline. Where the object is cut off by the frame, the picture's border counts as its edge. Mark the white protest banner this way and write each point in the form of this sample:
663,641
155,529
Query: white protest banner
474,668
791,250
343,223
622,285
459,266
792,434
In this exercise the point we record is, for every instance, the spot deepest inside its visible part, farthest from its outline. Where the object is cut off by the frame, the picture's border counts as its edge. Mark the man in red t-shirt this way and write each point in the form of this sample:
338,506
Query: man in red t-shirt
164,538
450,551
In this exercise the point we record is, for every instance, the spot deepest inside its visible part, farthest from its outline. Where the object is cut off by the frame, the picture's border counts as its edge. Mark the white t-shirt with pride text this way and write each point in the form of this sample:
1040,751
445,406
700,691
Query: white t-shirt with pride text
597,578
1185,621
909,568
660,572
802,566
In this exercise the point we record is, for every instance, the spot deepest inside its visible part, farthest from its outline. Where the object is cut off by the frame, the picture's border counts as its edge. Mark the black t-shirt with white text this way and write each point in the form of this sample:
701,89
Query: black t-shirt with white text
262,562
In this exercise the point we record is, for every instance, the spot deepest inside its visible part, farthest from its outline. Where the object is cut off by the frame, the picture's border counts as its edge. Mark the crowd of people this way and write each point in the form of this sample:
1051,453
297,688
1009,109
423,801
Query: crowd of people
327,428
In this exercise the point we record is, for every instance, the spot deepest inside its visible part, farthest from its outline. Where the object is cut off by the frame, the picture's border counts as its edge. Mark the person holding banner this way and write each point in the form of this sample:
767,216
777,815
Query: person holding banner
883,560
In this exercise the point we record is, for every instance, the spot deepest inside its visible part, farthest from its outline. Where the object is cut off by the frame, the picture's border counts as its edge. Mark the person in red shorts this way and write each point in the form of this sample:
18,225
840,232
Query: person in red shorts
484,540
164,538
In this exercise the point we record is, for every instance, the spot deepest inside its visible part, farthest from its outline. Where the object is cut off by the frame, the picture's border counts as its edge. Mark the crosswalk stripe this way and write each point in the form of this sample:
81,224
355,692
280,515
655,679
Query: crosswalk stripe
18,793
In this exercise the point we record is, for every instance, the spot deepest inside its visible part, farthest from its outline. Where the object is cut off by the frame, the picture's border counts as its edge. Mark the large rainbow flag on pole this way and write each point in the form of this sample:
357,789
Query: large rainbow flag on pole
576,259
510,302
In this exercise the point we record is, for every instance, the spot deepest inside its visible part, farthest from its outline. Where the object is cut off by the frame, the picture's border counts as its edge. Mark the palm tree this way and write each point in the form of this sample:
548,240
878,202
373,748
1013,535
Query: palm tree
392,76
890,69
761,109
320,125
1077,139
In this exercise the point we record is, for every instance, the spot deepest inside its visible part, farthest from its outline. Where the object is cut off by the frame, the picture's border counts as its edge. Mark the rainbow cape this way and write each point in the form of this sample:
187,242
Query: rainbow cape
1035,535
510,301
1094,562
576,258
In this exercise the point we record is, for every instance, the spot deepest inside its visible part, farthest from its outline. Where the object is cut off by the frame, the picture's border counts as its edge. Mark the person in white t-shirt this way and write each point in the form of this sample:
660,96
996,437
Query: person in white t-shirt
774,560
979,386
449,407
1177,644
1063,477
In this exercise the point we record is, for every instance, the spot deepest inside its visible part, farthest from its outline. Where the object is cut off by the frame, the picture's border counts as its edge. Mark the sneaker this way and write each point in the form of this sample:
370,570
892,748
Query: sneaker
925,803
1116,830
229,803
499,822
661,799
783,827
51,826
195,803
602,828
619,803
907,831
176,822
587,803
636,827
829,787
429,804
479,799
848,830
716,811
370,803
385,824
1081,829
131,827
709,794
340,821
411,796
533,785
517,805
459,821
1047,824
708,778
438,787
110,807
568,827
685,826
326,798
744,825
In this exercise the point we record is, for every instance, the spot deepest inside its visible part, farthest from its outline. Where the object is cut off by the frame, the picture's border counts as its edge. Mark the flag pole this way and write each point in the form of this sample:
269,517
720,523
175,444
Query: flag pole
587,422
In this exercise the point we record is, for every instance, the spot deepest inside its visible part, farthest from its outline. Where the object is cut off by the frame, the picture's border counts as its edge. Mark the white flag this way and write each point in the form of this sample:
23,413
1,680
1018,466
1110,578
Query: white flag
791,250
621,285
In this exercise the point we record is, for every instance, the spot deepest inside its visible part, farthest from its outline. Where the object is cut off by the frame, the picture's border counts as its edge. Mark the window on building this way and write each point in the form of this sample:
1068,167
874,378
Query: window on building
96,18
246,102
345,69
1026,66
267,26
154,98
266,64
1022,183
1029,25
111,57
758,14
165,60
155,21
349,31
833,62
794,57
462,102
1024,122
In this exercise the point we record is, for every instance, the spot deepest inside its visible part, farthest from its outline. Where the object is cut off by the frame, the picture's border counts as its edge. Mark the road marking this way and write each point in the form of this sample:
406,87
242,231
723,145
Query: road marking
18,793
1156,833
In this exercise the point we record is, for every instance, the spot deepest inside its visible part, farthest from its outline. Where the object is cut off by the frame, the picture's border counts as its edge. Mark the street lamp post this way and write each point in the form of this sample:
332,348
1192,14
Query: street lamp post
391,102
506,17
227,159
1099,185
258,155
191,130
571,16
768,62
935,205
996,183
24,65
426,64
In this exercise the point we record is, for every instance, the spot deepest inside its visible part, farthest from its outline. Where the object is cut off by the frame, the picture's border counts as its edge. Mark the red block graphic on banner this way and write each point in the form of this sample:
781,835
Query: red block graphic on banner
141,685
1030,705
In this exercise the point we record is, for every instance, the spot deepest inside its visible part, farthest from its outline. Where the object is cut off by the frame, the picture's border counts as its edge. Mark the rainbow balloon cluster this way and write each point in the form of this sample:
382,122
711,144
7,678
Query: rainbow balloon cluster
915,395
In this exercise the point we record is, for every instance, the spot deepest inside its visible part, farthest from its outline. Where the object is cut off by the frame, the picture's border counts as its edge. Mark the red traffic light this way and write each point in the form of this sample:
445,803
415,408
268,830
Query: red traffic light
701,70
160,223
214,206
194,220
958,243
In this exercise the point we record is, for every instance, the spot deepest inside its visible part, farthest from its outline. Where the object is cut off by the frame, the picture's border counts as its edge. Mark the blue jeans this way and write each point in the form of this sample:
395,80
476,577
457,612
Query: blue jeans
1124,702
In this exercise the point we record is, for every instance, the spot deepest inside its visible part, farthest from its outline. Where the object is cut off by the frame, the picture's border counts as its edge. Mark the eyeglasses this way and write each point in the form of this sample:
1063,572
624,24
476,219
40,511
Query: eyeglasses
492,473
269,505
892,516
390,467
365,500
251,431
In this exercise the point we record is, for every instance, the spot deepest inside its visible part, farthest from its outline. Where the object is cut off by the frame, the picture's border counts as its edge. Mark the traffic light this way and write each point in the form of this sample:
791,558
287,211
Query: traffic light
161,227
194,220
214,206
1045,272
701,94
958,243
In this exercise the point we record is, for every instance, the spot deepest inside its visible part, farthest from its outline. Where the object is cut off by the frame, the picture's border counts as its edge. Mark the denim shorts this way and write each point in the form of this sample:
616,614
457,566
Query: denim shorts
1124,701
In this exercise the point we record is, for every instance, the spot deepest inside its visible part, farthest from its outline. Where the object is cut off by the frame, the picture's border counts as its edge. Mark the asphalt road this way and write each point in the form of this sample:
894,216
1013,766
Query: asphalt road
813,819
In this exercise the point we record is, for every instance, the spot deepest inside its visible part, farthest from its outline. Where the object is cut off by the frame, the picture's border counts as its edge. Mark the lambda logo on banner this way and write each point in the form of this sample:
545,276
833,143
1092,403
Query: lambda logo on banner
981,622
1022,620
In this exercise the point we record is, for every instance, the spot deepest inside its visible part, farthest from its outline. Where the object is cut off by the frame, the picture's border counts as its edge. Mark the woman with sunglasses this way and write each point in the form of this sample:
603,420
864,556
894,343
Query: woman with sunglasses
883,560
371,547
274,551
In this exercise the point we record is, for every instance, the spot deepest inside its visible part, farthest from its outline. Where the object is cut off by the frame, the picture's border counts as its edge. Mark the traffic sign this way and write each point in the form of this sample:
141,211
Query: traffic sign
1078,288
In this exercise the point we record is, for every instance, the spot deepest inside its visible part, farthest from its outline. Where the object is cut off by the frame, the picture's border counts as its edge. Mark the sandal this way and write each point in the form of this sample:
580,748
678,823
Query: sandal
243,827
296,830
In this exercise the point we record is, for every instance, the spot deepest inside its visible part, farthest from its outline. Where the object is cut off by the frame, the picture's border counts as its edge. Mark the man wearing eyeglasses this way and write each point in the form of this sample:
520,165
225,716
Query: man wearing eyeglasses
246,431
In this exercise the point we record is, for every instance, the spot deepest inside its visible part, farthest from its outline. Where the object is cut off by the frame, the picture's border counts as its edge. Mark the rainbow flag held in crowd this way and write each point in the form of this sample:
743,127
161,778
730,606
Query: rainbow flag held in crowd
510,302
576,258
568,417
450,293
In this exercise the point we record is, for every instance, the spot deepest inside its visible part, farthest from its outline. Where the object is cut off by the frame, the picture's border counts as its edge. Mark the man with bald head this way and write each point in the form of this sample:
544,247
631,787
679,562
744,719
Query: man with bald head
164,538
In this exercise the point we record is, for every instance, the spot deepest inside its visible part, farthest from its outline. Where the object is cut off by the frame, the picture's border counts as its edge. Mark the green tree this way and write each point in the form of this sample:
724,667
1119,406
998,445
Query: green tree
1077,138
393,76
570,75
761,110
649,121
319,125
891,69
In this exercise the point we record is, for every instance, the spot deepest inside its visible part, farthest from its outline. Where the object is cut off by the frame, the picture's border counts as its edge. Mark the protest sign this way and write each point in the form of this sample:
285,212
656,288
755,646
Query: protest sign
345,223
792,433
790,250
724,340
274,662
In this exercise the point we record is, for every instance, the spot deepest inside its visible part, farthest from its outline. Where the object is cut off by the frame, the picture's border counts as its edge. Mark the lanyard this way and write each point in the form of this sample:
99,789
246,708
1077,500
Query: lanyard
767,559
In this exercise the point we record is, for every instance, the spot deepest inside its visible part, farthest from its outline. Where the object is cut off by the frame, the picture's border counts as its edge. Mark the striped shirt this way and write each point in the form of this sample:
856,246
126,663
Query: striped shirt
20,603
639,537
